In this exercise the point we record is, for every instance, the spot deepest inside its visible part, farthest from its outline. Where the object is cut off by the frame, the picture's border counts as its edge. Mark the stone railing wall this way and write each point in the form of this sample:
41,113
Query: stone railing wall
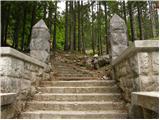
136,69
20,74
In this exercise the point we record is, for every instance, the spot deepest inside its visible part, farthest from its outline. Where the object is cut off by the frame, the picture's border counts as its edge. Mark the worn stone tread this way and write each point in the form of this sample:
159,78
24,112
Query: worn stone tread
74,94
96,89
77,87
76,78
76,102
117,114
85,81
78,112
75,105
78,94
78,83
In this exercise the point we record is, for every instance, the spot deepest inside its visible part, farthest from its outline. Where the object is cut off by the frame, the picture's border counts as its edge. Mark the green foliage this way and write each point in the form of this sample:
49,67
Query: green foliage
17,9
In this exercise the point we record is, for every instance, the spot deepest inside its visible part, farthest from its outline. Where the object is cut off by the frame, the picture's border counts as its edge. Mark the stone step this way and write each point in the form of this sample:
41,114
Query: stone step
66,69
95,89
77,105
78,97
64,66
118,114
68,72
79,73
77,78
78,83
71,74
63,69
61,66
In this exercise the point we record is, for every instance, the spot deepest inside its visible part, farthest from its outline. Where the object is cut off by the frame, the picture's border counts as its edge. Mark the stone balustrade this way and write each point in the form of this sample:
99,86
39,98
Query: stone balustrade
7,100
19,74
136,69
145,105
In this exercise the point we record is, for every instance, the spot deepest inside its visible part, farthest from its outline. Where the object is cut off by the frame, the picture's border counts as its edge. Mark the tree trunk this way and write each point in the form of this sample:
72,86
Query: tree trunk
140,21
101,48
100,40
34,5
131,21
71,25
66,28
124,12
98,44
54,32
44,10
82,29
6,25
98,32
50,18
106,30
5,21
79,29
152,16
125,19
16,27
3,14
24,24
74,27
93,40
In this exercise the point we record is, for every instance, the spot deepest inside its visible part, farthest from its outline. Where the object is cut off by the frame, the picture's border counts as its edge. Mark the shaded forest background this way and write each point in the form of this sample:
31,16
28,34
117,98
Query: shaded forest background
83,26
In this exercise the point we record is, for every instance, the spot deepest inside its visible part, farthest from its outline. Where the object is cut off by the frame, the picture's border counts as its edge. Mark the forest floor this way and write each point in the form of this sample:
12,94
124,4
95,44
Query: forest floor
78,60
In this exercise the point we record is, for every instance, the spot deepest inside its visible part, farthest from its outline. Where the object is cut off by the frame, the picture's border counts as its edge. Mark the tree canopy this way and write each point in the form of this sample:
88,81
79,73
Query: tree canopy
81,26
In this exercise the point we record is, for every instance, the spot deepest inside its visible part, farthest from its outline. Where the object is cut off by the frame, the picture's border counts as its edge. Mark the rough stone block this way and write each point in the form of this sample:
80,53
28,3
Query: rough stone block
13,69
40,46
40,35
123,71
144,63
33,76
118,36
27,66
26,74
5,60
40,73
25,84
136,84
155,62
147,83
46,76
9,84
133,64
41,55
7,98
48,68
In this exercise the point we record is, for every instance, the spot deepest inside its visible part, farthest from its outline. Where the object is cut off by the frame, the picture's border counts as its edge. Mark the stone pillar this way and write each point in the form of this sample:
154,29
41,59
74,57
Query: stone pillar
39,45
118,36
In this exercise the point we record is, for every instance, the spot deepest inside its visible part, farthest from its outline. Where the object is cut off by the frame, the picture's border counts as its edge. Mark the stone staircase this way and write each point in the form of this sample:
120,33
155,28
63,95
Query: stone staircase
76,94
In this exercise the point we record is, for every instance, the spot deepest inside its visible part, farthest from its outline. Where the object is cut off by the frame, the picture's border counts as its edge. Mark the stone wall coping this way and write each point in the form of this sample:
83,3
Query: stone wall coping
7,98
14,53
151,94
138,45
148,100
